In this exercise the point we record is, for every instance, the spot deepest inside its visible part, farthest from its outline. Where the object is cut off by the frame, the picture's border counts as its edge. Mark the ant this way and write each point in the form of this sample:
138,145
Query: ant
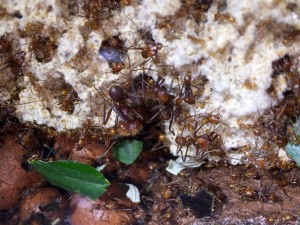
15,62
294,178
36,86
149,50
130,125
277,175
203,143
5,45
248,193
67,97
97,10
268,194
186,92
282,65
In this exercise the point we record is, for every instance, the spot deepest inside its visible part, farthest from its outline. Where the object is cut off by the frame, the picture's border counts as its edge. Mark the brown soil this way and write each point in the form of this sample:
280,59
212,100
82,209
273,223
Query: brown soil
242,194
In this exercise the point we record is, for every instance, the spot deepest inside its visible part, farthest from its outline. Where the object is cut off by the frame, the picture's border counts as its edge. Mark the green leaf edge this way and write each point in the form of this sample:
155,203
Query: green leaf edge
117,147
54,168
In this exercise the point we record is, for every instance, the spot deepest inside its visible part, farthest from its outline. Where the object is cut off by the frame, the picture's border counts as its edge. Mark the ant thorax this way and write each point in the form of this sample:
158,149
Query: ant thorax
206,74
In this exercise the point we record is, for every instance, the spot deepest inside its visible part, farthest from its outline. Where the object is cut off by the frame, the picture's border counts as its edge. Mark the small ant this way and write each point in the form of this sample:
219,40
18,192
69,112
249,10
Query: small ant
186,92
279,178
36,86
208,141
95,11
149,51
267,195
248,193
68,98
294,178
282,65
15,63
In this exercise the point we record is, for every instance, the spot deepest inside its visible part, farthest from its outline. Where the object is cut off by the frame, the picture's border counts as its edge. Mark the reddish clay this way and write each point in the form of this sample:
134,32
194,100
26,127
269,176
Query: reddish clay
13,178
138,173
89,212
69,150
42,197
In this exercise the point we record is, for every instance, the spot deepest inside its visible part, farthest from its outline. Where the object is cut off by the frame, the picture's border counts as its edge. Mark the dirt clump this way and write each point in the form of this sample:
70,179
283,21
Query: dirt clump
14,179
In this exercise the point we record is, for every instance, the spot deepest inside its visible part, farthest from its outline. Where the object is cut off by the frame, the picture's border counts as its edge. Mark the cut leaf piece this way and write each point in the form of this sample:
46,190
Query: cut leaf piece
293,151
174,167
73,176
133,193
127,151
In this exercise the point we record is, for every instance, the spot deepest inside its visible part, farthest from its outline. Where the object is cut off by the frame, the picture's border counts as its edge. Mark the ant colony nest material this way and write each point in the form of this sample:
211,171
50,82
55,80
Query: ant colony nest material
215,76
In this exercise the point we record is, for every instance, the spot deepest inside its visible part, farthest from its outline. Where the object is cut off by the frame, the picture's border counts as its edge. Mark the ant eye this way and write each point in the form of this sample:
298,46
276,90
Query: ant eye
116,93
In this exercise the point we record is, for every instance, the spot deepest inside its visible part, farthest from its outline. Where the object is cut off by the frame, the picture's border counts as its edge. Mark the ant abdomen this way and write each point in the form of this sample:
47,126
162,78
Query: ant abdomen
116,93
131,128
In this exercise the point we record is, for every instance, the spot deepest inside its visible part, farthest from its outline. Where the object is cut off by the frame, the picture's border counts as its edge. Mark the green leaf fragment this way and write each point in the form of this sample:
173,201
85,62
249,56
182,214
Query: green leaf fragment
293,151
73,176
128,151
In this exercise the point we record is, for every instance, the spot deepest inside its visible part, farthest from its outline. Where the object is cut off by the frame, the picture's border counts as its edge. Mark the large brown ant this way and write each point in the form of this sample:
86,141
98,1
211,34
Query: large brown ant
139,102
129,125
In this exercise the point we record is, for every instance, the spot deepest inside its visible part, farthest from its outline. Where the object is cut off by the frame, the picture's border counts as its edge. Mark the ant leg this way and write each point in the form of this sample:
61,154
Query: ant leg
132,84
139,115
171,122
106,116
143,85
186,153
116,110
4,67
154,116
